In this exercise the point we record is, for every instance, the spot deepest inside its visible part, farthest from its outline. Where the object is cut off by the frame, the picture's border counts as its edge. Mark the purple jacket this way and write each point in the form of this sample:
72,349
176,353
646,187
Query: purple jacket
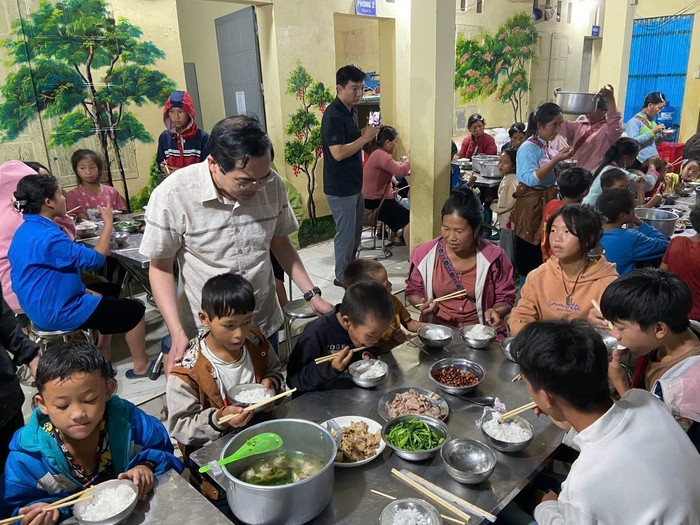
494,276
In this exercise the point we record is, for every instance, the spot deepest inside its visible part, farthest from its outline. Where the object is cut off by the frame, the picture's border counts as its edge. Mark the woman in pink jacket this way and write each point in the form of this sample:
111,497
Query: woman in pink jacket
461,260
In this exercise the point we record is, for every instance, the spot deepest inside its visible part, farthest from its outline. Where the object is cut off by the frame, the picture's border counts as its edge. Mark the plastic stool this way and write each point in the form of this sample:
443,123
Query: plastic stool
44,337
293,310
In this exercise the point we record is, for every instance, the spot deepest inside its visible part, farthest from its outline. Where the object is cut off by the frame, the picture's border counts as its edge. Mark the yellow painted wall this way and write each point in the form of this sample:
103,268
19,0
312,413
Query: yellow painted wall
357,41
691,101
304,30
198,41
158,21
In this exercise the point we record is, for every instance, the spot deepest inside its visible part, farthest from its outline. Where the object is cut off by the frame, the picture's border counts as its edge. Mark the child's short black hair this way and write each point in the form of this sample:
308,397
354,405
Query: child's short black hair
565,358
581,220
67,359
648,296
695,219
513,156
226,295
614,202
361,270
574,182
611,176
367,299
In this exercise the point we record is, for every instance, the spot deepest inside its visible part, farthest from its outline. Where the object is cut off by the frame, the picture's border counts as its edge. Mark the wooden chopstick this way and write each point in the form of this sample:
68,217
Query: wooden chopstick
7,521
453,295
414,345
72,496
516,378
519,410
597,307
330,357
443,516
420,488
87,497
258,405
67,213
449,496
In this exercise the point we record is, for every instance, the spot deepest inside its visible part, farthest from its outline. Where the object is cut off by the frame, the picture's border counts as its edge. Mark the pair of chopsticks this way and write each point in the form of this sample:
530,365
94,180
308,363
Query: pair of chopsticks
444,517
65,502
250,408
597,308
68,213
330,357
415,345
454,295
516,378
518,410
456,505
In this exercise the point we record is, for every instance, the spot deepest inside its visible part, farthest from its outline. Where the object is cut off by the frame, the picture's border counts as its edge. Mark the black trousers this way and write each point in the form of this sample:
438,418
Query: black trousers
6,432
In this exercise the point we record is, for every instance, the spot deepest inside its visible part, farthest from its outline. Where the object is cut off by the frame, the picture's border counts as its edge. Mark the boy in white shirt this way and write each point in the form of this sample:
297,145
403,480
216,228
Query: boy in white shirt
636,466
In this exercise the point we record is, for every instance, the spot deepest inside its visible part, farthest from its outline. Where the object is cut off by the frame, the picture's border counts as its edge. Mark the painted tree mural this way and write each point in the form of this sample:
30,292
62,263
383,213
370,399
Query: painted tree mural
303,149
83,67
497,64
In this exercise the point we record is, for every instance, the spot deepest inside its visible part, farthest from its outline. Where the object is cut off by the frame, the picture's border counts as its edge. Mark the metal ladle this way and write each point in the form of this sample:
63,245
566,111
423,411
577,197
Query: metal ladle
484,401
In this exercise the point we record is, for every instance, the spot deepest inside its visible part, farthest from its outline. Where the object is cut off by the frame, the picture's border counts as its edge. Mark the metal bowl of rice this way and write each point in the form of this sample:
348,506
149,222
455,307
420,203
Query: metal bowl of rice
477,336
113,501
435,335
410,510
249,394
368,373
513,435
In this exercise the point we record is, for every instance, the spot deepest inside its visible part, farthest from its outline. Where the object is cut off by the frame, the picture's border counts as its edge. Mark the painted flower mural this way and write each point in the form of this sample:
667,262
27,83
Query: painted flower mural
303,149
496,64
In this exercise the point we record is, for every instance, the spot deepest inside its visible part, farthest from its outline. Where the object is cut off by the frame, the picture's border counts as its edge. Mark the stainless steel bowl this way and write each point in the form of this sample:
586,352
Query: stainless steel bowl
461,364
576,103
84,233
121,238
435,335
477,343
507,446
507,350
427,512
358,367
417,455
468,460
79,509
567,163
662,220
235,391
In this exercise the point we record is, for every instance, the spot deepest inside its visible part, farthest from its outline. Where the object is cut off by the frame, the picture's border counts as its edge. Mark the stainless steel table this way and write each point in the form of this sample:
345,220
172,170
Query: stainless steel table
173,500
128,257
353,502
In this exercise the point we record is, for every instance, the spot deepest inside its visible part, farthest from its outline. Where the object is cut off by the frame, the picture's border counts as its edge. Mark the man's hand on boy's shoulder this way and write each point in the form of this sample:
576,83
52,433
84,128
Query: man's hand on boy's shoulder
142,477
34,515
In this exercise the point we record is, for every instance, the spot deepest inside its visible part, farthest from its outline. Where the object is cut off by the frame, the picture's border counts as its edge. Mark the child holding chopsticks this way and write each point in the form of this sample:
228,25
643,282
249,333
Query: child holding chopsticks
358,322
80,435
228,353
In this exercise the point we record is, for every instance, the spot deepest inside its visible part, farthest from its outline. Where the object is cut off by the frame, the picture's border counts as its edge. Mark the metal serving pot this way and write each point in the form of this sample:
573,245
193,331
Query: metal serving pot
662,220
292,504
576,103
478,161
489,169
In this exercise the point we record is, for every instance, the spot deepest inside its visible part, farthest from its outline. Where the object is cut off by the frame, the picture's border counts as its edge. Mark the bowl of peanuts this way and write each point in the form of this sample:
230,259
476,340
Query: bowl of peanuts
457,375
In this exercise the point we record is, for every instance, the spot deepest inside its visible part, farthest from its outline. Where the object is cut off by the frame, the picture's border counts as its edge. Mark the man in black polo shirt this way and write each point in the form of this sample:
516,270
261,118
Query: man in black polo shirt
342,164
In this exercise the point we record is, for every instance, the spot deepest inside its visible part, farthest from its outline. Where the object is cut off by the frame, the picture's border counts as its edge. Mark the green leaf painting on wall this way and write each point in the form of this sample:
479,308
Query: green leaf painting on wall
496,64
78,64
303,148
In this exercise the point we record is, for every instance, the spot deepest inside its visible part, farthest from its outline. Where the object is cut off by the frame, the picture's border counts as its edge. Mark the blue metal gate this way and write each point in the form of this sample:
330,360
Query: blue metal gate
659,62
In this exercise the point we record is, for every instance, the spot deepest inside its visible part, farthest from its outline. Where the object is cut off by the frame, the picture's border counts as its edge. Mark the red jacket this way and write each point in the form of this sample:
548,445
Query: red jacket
484,145
181,149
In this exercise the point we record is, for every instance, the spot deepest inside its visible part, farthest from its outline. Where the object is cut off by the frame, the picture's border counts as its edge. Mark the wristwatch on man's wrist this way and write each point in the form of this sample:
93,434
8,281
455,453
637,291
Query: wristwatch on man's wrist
310,294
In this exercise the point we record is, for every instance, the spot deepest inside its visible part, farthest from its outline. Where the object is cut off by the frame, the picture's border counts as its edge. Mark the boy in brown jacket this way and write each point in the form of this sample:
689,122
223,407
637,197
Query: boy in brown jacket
228,353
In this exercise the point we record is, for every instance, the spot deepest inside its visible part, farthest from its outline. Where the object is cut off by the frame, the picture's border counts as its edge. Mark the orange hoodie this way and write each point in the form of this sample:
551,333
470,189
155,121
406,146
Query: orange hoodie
543,297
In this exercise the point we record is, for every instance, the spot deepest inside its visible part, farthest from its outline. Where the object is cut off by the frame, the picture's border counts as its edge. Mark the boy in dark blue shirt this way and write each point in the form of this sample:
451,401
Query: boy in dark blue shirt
359,321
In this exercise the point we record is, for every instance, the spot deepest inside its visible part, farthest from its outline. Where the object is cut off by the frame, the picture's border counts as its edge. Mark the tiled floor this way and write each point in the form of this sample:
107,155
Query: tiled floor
319,263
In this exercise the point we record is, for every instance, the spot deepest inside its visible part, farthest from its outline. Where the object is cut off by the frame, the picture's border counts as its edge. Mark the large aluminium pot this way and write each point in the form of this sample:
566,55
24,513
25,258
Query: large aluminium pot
576,103
662,220
478,161
291,504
